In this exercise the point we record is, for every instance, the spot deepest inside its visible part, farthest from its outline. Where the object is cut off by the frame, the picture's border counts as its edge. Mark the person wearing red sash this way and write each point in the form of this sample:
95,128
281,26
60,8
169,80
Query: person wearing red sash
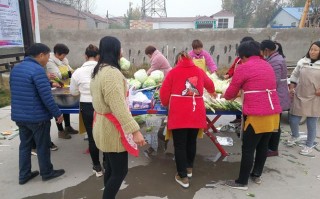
115,132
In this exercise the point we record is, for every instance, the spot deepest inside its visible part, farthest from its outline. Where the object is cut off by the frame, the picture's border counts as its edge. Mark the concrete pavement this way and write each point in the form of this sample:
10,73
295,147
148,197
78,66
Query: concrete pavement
289,175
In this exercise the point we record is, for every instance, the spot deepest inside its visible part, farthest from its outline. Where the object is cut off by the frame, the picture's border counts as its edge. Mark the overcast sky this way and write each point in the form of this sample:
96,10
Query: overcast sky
175,8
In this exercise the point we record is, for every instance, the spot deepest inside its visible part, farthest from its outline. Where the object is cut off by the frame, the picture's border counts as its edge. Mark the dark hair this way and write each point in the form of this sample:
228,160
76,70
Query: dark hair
180,55
196,44
271,45
36,49
317,43
244,39
248,49
92,51
149,50
60,49
109,51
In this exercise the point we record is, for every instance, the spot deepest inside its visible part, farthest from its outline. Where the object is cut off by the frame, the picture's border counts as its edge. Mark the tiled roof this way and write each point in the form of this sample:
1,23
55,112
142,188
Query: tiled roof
95,17
59,8
223,13
296,12
172,19
179,19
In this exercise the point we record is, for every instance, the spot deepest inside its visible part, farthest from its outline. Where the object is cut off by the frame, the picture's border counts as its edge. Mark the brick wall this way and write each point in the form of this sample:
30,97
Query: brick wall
48,20
140,24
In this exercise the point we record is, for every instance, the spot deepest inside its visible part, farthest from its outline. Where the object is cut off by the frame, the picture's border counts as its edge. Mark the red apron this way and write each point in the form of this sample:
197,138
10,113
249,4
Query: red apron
126,139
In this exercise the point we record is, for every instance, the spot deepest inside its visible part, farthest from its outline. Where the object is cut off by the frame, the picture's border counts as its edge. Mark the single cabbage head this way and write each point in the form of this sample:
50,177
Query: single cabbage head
135,83
124,63
157,76
149,82
141,75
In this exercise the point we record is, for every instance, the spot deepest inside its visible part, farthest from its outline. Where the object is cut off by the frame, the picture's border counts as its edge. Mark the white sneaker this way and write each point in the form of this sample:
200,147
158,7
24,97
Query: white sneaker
292,141
97,170
189,172
34,152
184,182
306,150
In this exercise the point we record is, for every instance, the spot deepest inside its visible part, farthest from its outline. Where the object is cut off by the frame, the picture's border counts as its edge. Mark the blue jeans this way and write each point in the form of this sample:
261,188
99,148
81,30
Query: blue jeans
311,128
40,134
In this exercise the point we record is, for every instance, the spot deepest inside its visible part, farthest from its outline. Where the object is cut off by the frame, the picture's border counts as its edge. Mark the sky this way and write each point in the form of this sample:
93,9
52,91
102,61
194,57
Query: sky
175,8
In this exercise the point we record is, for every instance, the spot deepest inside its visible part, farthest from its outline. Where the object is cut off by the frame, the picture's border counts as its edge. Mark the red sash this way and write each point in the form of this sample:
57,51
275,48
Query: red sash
126,139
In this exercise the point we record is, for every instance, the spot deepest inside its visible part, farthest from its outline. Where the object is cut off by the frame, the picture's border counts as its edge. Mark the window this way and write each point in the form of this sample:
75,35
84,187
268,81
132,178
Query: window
223,23
204,25
293,24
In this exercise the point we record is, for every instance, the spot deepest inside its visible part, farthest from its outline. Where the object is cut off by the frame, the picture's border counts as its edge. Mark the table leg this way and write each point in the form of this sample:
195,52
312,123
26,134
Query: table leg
212,137
210,124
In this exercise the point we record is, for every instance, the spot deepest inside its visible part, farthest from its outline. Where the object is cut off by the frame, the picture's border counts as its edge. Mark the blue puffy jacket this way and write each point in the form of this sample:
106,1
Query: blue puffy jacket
31,97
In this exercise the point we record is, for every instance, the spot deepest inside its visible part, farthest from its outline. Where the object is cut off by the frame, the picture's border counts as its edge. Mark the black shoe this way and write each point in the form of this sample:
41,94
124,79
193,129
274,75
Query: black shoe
33,174
53,147
55,174
70,130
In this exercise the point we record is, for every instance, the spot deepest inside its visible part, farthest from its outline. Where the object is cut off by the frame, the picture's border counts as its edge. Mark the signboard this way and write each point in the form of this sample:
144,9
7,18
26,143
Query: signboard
11,35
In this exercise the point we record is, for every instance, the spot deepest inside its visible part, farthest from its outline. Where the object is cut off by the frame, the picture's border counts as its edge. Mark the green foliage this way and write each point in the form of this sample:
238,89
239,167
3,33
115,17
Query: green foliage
116,26
132,14
255,13
265,11
4,97
243,9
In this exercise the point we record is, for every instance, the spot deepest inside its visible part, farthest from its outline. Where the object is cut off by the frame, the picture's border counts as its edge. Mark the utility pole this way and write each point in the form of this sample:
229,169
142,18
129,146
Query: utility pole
304,14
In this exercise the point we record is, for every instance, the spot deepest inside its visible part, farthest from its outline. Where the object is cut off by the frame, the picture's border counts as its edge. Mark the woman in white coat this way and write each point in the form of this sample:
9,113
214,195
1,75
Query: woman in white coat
305,91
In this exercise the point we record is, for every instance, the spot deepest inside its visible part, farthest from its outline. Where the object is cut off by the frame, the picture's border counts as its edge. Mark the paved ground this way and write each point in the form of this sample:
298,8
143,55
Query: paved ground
288,176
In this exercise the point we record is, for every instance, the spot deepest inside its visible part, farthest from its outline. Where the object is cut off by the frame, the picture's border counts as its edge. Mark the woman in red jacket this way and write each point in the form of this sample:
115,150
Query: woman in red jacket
182,92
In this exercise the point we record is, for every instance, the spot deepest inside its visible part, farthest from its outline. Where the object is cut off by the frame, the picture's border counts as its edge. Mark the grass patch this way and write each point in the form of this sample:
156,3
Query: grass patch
5,98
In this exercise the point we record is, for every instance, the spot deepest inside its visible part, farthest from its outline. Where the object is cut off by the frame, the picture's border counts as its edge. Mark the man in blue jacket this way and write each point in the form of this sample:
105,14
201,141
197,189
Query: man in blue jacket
32,108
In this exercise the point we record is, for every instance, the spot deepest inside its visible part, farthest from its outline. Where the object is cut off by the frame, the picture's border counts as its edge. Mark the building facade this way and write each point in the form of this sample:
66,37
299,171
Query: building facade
54,15
287,18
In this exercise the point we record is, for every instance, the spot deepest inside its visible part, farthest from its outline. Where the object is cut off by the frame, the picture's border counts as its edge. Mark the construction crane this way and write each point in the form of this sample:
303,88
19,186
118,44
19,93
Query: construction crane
305,14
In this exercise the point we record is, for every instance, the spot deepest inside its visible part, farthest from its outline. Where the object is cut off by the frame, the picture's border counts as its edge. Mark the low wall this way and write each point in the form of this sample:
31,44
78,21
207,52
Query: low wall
221,44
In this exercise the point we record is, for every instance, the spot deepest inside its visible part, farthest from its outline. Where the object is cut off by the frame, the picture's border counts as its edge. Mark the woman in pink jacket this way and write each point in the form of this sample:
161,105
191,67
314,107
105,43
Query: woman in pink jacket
261,110
157,61
202,58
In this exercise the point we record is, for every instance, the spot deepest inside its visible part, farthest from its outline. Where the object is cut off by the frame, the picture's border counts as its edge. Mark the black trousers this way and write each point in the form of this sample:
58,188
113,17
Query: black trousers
253,143
185,148
275,139
66,119
116,169
87,116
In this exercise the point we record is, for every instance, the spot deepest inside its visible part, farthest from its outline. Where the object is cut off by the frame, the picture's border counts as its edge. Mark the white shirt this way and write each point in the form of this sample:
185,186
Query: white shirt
54,64
80,81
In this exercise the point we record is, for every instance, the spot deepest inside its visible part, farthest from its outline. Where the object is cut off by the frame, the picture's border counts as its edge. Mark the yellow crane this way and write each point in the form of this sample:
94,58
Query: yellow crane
305,14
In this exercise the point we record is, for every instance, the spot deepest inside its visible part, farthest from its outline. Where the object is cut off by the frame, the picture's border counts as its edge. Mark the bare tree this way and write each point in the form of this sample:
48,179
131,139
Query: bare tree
82,5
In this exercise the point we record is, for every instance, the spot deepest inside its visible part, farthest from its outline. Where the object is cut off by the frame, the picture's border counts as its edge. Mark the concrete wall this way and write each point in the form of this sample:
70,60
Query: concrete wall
221,44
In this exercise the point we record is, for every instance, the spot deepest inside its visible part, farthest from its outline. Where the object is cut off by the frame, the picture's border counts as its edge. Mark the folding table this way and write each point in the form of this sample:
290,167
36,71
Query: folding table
158,109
